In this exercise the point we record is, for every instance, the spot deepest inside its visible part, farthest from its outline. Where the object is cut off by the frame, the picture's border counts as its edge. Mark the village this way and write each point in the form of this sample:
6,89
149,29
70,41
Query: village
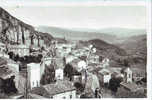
32,69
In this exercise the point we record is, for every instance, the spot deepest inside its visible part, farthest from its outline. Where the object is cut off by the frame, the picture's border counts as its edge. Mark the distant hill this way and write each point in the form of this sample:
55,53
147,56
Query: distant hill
118,32
13,30
136,48
133,50
110,35
75,35
104,49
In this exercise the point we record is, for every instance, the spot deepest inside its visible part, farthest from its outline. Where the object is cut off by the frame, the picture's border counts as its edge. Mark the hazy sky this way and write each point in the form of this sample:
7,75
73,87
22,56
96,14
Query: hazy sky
81,16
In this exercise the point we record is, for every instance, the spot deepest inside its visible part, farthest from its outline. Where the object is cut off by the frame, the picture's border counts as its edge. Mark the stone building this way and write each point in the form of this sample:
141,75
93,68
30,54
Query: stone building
34,75
62,89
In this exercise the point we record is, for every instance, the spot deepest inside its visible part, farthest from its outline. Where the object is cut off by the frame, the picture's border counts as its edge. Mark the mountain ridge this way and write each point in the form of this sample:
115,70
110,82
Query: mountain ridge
74,35
110,35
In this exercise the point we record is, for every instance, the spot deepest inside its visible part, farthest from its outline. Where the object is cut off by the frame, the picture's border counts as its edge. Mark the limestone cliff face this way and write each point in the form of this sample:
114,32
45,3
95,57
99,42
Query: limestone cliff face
14,31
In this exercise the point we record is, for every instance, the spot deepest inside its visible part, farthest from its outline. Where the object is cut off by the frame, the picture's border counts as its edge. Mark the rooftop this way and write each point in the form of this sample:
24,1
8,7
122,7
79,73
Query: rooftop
59,87
104,71
4,71
3,61
130,86
92,83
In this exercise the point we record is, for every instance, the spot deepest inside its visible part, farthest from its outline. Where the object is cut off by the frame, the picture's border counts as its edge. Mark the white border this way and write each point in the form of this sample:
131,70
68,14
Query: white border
75,3
104,3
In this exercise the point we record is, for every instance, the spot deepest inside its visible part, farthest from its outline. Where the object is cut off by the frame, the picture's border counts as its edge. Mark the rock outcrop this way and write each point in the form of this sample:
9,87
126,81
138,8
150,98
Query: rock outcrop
14,31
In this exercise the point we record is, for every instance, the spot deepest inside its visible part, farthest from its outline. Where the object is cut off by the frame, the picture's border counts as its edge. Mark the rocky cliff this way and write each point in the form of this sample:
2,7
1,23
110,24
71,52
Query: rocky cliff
14,31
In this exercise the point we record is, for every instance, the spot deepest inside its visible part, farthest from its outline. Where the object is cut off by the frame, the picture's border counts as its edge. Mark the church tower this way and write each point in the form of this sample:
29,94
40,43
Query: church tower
128,75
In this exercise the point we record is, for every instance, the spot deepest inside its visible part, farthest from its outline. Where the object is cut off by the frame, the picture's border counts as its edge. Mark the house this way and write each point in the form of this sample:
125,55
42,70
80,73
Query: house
3,62
104,76
130,87
77,78
63,49
12,65
5,72
10,80
9,68
105,62
47,60
23,82
59,74
78,64
92,83
93,67
69,58
35,96
21,50
3,50
34,74
62,89
130,90
93,59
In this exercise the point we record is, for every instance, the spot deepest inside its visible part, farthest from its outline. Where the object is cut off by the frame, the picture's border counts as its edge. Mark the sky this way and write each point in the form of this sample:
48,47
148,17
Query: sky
81,16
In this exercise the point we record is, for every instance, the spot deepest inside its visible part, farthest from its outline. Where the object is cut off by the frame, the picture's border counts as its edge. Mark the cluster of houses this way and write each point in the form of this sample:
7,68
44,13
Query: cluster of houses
94,73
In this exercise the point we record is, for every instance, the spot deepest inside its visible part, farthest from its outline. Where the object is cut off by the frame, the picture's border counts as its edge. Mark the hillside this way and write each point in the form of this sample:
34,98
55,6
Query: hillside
15,31
104,49
136,48
76,35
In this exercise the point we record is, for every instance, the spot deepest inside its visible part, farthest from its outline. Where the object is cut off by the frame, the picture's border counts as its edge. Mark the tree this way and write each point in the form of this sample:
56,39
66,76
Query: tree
79,87
49,75
114,83
68,71
126,62
1,85
100,58
9,86
11,54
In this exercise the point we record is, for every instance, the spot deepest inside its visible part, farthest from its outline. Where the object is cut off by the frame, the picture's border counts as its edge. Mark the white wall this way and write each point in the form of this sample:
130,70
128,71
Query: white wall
106,78
59,74
34,74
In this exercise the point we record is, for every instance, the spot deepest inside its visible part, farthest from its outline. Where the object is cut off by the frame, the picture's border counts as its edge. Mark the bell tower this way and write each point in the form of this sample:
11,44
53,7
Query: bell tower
128,75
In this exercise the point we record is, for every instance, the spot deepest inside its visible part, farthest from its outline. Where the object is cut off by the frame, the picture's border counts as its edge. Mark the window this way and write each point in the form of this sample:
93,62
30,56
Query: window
33,83
70,96
37,83
129,75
